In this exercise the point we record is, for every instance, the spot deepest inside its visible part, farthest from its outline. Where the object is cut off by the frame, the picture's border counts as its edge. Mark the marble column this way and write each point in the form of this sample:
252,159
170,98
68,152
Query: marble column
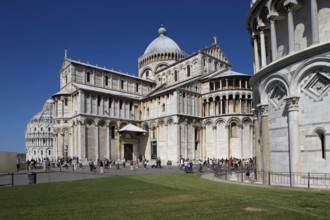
82,141
273,39
215,141
81,102
97,145
293,134
262,45
203,143
314,22
227,128
220,107
290,6
108,142
264,143
256,54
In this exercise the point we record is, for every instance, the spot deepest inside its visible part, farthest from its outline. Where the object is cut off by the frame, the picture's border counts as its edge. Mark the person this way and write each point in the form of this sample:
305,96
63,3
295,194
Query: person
181,163
145,163
200,166
158,163
247,171
80,163
91,165
18,164
28,162
101,166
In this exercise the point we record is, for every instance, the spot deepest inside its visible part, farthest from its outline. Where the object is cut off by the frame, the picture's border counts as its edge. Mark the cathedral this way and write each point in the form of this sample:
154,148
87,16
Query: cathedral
191,106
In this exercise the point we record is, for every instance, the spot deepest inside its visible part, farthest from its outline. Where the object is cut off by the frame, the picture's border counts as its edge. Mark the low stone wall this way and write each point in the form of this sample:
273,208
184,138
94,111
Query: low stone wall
8,162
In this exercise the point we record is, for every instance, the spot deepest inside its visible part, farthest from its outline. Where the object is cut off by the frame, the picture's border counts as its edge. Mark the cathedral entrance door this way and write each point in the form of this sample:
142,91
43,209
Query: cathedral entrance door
128,152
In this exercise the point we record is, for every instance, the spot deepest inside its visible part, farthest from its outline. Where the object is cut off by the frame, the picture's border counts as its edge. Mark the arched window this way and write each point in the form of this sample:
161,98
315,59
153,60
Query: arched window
121,84
66,102
188,70
175,75
233,130
163,107
120,104
113,132
136,87
88,77
106,80
99,98
320,133
153,133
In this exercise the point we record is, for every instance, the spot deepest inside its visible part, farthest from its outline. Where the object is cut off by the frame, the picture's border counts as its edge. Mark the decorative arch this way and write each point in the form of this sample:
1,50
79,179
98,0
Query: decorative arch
160,123
305,69
318,130
220,121
160,66
233,119
102,123
246,121
208,123
113,123
272,84
170,121
144,124
89,122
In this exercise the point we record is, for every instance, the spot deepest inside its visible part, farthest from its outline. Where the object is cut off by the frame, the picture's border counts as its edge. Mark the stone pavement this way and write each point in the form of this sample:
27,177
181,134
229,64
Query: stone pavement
59,175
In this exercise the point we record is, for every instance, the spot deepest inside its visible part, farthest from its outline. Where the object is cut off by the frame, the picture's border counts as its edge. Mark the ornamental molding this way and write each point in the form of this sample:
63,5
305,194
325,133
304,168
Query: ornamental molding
316,86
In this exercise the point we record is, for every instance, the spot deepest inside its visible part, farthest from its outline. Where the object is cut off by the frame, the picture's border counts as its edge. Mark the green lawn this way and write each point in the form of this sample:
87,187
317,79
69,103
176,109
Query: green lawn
159,197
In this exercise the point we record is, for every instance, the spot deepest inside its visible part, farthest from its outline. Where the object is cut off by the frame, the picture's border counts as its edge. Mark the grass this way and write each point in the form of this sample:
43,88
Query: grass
159,197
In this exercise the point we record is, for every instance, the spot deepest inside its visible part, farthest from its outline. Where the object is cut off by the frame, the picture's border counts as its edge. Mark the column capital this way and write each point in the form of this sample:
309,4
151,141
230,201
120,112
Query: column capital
261,27
292,103
272,17
263,109
290,5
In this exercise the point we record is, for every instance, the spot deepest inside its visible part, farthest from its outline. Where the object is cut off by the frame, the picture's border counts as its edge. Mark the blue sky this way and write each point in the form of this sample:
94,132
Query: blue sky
34,34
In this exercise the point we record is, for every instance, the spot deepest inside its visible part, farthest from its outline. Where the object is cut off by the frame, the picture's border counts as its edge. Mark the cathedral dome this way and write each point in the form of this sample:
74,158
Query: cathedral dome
162,44
160,53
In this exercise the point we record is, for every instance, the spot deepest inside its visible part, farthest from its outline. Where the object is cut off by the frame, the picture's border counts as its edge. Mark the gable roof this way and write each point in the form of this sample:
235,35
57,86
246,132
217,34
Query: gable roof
132,128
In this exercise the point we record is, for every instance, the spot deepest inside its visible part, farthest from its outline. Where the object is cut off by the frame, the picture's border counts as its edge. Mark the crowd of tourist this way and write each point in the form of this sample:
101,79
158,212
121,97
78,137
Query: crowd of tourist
187,165
231,164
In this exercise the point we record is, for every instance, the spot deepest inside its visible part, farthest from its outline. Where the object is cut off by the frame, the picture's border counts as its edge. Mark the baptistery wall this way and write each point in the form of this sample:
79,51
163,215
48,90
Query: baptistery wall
39,134
291,44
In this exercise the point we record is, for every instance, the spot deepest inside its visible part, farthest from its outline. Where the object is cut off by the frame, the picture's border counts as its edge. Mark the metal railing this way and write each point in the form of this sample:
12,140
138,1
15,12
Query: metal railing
294,179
